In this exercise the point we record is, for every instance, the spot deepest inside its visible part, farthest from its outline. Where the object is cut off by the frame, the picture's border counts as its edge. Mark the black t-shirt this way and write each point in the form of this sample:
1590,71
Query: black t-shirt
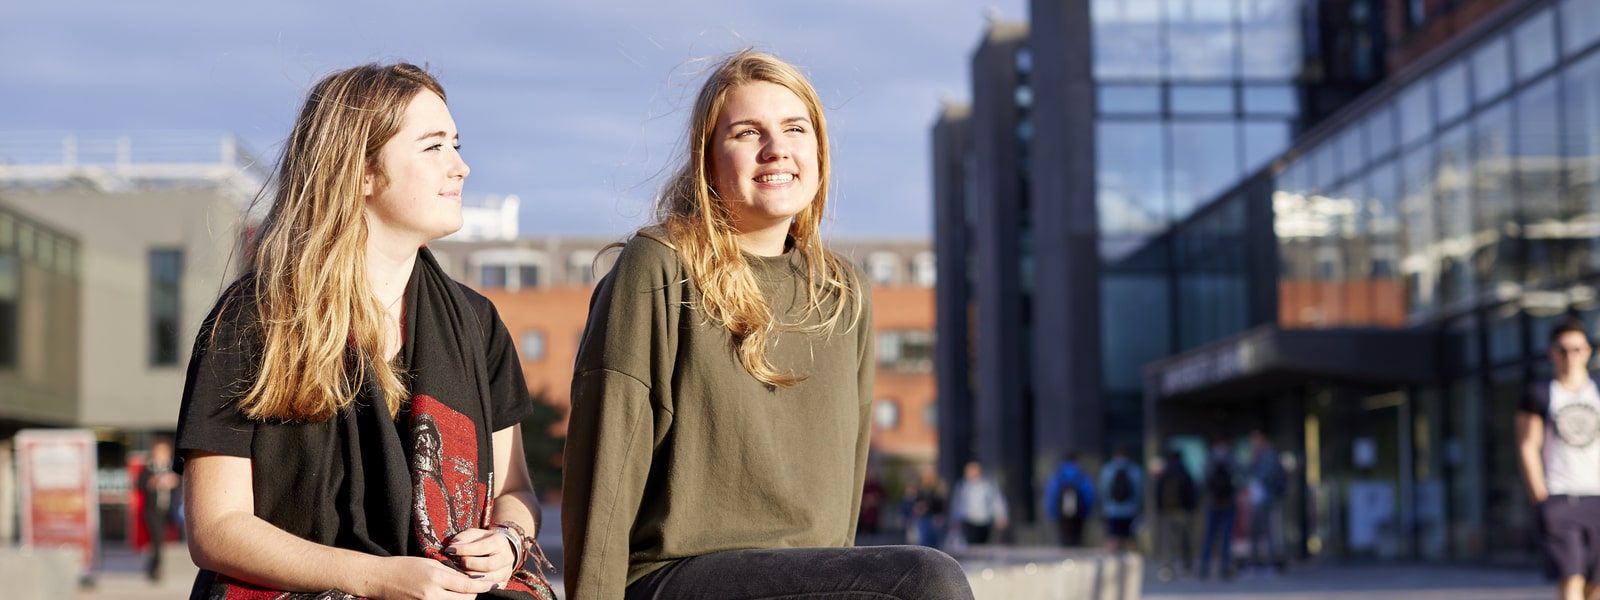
345,482
223,365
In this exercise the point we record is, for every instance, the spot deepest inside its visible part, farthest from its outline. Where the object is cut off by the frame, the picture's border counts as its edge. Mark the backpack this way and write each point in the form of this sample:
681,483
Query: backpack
1070,502
1122,485
1176,491
1219,483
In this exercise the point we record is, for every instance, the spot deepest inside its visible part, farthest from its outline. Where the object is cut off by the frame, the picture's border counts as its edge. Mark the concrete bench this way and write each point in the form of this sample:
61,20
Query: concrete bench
1050,573
40,573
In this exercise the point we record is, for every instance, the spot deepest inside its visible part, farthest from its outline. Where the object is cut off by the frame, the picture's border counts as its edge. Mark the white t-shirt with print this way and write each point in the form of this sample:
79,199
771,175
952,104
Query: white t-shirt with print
1572,441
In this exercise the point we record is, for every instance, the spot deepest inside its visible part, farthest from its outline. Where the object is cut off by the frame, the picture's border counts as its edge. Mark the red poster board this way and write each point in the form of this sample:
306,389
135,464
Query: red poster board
60,497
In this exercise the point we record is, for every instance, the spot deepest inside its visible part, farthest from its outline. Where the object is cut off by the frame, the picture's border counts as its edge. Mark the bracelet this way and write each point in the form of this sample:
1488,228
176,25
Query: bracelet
519,540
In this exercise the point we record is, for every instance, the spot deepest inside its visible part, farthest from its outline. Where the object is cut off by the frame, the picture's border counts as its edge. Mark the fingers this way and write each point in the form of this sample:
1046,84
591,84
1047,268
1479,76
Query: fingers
483,552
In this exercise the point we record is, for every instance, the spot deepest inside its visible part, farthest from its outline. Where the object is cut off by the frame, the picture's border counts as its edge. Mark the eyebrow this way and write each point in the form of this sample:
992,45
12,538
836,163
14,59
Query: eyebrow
756,123
434,134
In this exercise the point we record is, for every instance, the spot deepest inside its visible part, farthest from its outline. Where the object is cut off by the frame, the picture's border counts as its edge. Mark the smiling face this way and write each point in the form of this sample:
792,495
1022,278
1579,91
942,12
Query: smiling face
764,157
417,196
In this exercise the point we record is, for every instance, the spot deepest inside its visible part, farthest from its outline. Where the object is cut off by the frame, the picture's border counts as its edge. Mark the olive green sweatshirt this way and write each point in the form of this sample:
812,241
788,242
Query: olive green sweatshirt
674,450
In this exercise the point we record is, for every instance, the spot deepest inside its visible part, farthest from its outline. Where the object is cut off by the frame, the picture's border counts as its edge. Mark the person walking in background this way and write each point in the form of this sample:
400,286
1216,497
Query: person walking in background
350,421
1558,438
1176,498
1069,500
721,400
928,503
158,484
1221,491
1267,485
872,502
978,505
1122,484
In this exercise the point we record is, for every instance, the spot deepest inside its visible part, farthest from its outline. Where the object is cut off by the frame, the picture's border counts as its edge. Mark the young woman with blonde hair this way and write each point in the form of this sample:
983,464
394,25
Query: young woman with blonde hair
349,422
719,428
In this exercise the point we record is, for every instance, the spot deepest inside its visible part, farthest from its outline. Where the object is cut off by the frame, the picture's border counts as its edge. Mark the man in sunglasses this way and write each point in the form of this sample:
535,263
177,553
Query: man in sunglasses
1558,423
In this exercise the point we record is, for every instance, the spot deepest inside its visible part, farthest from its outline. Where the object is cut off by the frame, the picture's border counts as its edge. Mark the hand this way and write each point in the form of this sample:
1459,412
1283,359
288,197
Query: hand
417,578
1001,523
483,552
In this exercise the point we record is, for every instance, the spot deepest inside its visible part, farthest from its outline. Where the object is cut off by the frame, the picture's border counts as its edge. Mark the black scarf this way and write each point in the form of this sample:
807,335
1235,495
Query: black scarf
391,486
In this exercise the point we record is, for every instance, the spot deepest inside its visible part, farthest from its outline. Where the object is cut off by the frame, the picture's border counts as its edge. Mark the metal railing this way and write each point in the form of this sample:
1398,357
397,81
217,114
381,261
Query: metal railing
126,161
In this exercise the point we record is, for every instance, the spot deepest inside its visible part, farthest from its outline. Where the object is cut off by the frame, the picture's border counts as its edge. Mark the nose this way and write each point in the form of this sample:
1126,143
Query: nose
460,168
777,148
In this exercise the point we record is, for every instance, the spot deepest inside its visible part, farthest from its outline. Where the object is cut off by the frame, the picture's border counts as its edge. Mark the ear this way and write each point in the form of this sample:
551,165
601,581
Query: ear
366,183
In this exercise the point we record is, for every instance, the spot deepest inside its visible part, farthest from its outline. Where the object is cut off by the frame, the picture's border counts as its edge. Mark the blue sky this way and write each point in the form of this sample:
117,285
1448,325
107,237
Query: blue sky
576,106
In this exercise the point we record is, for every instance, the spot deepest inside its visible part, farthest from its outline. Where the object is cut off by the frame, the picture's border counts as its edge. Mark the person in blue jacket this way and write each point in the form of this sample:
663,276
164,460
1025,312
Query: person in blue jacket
1069,500
1122,485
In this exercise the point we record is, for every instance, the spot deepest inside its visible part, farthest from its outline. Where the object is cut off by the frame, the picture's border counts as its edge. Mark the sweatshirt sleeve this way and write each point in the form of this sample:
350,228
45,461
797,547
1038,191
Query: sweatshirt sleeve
620,408
866,372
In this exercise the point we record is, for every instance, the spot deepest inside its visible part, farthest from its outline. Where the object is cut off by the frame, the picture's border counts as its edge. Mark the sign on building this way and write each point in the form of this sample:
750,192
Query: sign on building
59,493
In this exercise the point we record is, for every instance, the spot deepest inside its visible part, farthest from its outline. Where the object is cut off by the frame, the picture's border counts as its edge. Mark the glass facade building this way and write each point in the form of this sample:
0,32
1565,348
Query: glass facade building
1453,211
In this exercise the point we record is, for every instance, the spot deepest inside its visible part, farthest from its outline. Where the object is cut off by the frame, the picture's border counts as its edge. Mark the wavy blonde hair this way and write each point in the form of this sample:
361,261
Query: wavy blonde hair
320,325
701,227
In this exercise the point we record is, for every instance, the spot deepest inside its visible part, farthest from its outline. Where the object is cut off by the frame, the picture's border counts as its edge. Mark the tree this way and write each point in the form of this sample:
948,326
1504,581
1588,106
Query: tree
541,446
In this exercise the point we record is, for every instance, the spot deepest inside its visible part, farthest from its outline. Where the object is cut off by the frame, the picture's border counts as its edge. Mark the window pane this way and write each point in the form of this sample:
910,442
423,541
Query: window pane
886,415
1131,180
533,345
1581,147
166,275
10,294
1497,259
1270,99
1202,33
1491,70
1129,99
1451,188
1127,38
1580,24
1416,113
492,276
1536,148
1273,30
1417,219
1389,297
528,276
1263,141
1134,314
1205,162
1380,133
1352,150
1202,99
1535,45
1451,87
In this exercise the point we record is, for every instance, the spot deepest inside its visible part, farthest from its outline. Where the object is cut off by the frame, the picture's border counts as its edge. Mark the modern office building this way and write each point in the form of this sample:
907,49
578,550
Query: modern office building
1374,293
1092,130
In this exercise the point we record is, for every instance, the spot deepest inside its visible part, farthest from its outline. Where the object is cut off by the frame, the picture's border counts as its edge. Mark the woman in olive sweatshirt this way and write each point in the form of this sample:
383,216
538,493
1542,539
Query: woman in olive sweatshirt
719,428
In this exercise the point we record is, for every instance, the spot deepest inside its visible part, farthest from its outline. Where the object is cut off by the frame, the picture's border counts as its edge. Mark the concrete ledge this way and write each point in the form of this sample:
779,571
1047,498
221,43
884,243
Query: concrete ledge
40,573
1050,573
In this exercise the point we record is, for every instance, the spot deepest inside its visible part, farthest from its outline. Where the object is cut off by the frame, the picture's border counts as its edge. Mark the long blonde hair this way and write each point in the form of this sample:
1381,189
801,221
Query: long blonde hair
315,305
702,232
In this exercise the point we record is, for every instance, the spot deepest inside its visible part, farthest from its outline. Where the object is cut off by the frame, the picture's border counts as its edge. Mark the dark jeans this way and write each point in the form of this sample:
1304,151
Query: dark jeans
1219,527
156,523
863,572
976,533
1071,529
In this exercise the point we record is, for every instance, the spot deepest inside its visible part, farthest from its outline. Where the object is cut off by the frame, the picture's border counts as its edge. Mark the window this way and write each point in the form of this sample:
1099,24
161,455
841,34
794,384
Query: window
886,414
924,270
528,276
10,293
533,345
1535,42
1491,70
907,350
1270,99
1129,99
492,276
166,274
883,268
1202,99
580,267
930,415
1580,25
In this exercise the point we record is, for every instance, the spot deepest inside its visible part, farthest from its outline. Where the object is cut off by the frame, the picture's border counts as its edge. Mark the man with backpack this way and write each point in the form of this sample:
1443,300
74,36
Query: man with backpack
1220,492
1123,482
1267,485
1069,499
1176,497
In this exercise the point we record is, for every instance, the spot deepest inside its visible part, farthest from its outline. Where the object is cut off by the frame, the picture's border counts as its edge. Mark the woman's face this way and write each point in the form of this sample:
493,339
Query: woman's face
764,156
418,198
